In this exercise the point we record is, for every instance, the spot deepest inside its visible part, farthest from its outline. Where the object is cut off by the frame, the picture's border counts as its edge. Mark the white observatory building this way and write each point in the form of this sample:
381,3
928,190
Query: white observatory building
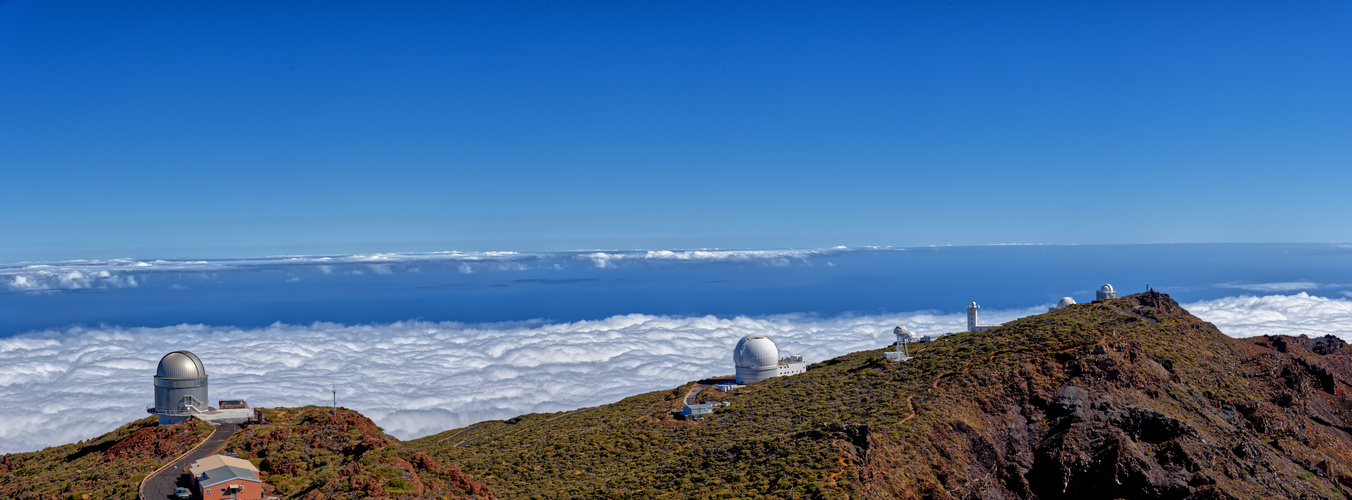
180,387
1065,301
1106,292
972,324
757,358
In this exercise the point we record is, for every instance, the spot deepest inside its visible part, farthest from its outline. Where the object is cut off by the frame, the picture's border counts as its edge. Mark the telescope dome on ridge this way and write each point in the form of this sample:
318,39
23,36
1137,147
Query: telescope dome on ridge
181,364
180,387
756,358
756,351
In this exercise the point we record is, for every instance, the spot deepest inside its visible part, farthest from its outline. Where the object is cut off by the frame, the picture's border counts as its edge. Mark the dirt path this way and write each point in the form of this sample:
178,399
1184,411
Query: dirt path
934,384
462,431
161,484
912,407
1152,322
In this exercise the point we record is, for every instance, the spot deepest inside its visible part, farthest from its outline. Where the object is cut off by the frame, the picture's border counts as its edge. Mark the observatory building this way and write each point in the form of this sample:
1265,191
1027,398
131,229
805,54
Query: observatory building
972,324
180,387
1106,292
1065,301
757,358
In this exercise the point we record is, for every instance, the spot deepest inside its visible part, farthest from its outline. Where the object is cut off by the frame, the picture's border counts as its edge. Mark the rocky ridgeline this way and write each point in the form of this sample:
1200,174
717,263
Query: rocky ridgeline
1121,398
1154,403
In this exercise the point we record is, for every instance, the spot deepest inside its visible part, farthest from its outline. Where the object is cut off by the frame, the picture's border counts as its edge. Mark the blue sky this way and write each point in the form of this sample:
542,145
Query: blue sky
226,129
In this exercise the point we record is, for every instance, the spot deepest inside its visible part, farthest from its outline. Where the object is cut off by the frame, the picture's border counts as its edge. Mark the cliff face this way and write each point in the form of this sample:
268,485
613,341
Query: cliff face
1123,398
312,453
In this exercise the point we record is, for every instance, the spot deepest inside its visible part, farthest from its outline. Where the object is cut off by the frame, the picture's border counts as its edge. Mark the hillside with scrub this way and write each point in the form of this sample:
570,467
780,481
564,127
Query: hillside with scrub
301,453
315,453
1129,398
1120,398
109,466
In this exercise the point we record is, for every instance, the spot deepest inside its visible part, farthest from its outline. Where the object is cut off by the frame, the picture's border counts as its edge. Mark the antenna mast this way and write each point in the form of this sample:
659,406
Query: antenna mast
335,400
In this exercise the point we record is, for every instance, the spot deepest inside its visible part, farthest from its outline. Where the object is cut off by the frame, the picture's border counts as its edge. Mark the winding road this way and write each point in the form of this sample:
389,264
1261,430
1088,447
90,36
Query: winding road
161,484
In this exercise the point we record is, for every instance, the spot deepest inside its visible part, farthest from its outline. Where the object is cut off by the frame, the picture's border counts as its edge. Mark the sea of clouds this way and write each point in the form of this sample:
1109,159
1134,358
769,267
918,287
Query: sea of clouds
51,277
418,378
412,378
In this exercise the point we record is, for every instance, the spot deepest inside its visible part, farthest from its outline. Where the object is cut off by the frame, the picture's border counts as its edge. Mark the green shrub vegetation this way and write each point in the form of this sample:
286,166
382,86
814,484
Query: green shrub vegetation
109,466
858,425
311,453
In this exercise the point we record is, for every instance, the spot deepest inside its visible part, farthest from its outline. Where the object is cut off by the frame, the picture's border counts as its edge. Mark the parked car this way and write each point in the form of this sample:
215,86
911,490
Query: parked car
182,493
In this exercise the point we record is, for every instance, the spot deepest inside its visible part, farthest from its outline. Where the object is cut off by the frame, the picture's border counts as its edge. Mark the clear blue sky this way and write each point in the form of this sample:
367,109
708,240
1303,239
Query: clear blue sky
211,129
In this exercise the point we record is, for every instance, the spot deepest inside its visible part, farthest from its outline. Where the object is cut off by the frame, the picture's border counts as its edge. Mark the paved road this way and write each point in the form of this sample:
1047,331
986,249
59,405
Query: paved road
690,395
162,484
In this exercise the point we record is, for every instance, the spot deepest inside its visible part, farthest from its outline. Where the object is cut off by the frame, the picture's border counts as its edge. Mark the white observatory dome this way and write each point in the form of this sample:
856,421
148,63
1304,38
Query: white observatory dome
1065,301
180,364
756,351
1106,288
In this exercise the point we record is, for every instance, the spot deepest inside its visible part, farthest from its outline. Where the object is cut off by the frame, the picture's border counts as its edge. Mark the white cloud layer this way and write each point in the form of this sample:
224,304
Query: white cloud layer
122,273
771,257
412,378
1278,287
417,378
1299,314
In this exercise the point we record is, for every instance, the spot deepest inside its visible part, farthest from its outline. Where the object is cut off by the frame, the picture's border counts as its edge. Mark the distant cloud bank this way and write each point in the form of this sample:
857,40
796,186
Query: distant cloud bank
52,277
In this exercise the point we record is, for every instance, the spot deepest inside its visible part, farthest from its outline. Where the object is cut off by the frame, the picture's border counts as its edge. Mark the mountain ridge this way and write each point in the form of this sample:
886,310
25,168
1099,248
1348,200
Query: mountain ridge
1120,398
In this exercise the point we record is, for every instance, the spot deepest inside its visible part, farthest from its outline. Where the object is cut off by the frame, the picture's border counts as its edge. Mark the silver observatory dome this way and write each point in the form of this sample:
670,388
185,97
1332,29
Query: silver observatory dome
180,387
181,364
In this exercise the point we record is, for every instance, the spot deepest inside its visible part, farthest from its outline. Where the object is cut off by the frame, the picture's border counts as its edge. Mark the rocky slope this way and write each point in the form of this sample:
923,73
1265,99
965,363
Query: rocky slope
312,453
305,453
1124,398
109,466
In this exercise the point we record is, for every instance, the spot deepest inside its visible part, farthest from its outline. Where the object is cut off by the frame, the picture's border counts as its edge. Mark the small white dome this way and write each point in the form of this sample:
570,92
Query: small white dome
1106,288
1065,301
756,351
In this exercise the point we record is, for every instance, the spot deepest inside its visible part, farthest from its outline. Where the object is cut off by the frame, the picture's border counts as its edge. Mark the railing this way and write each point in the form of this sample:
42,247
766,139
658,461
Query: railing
186,406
